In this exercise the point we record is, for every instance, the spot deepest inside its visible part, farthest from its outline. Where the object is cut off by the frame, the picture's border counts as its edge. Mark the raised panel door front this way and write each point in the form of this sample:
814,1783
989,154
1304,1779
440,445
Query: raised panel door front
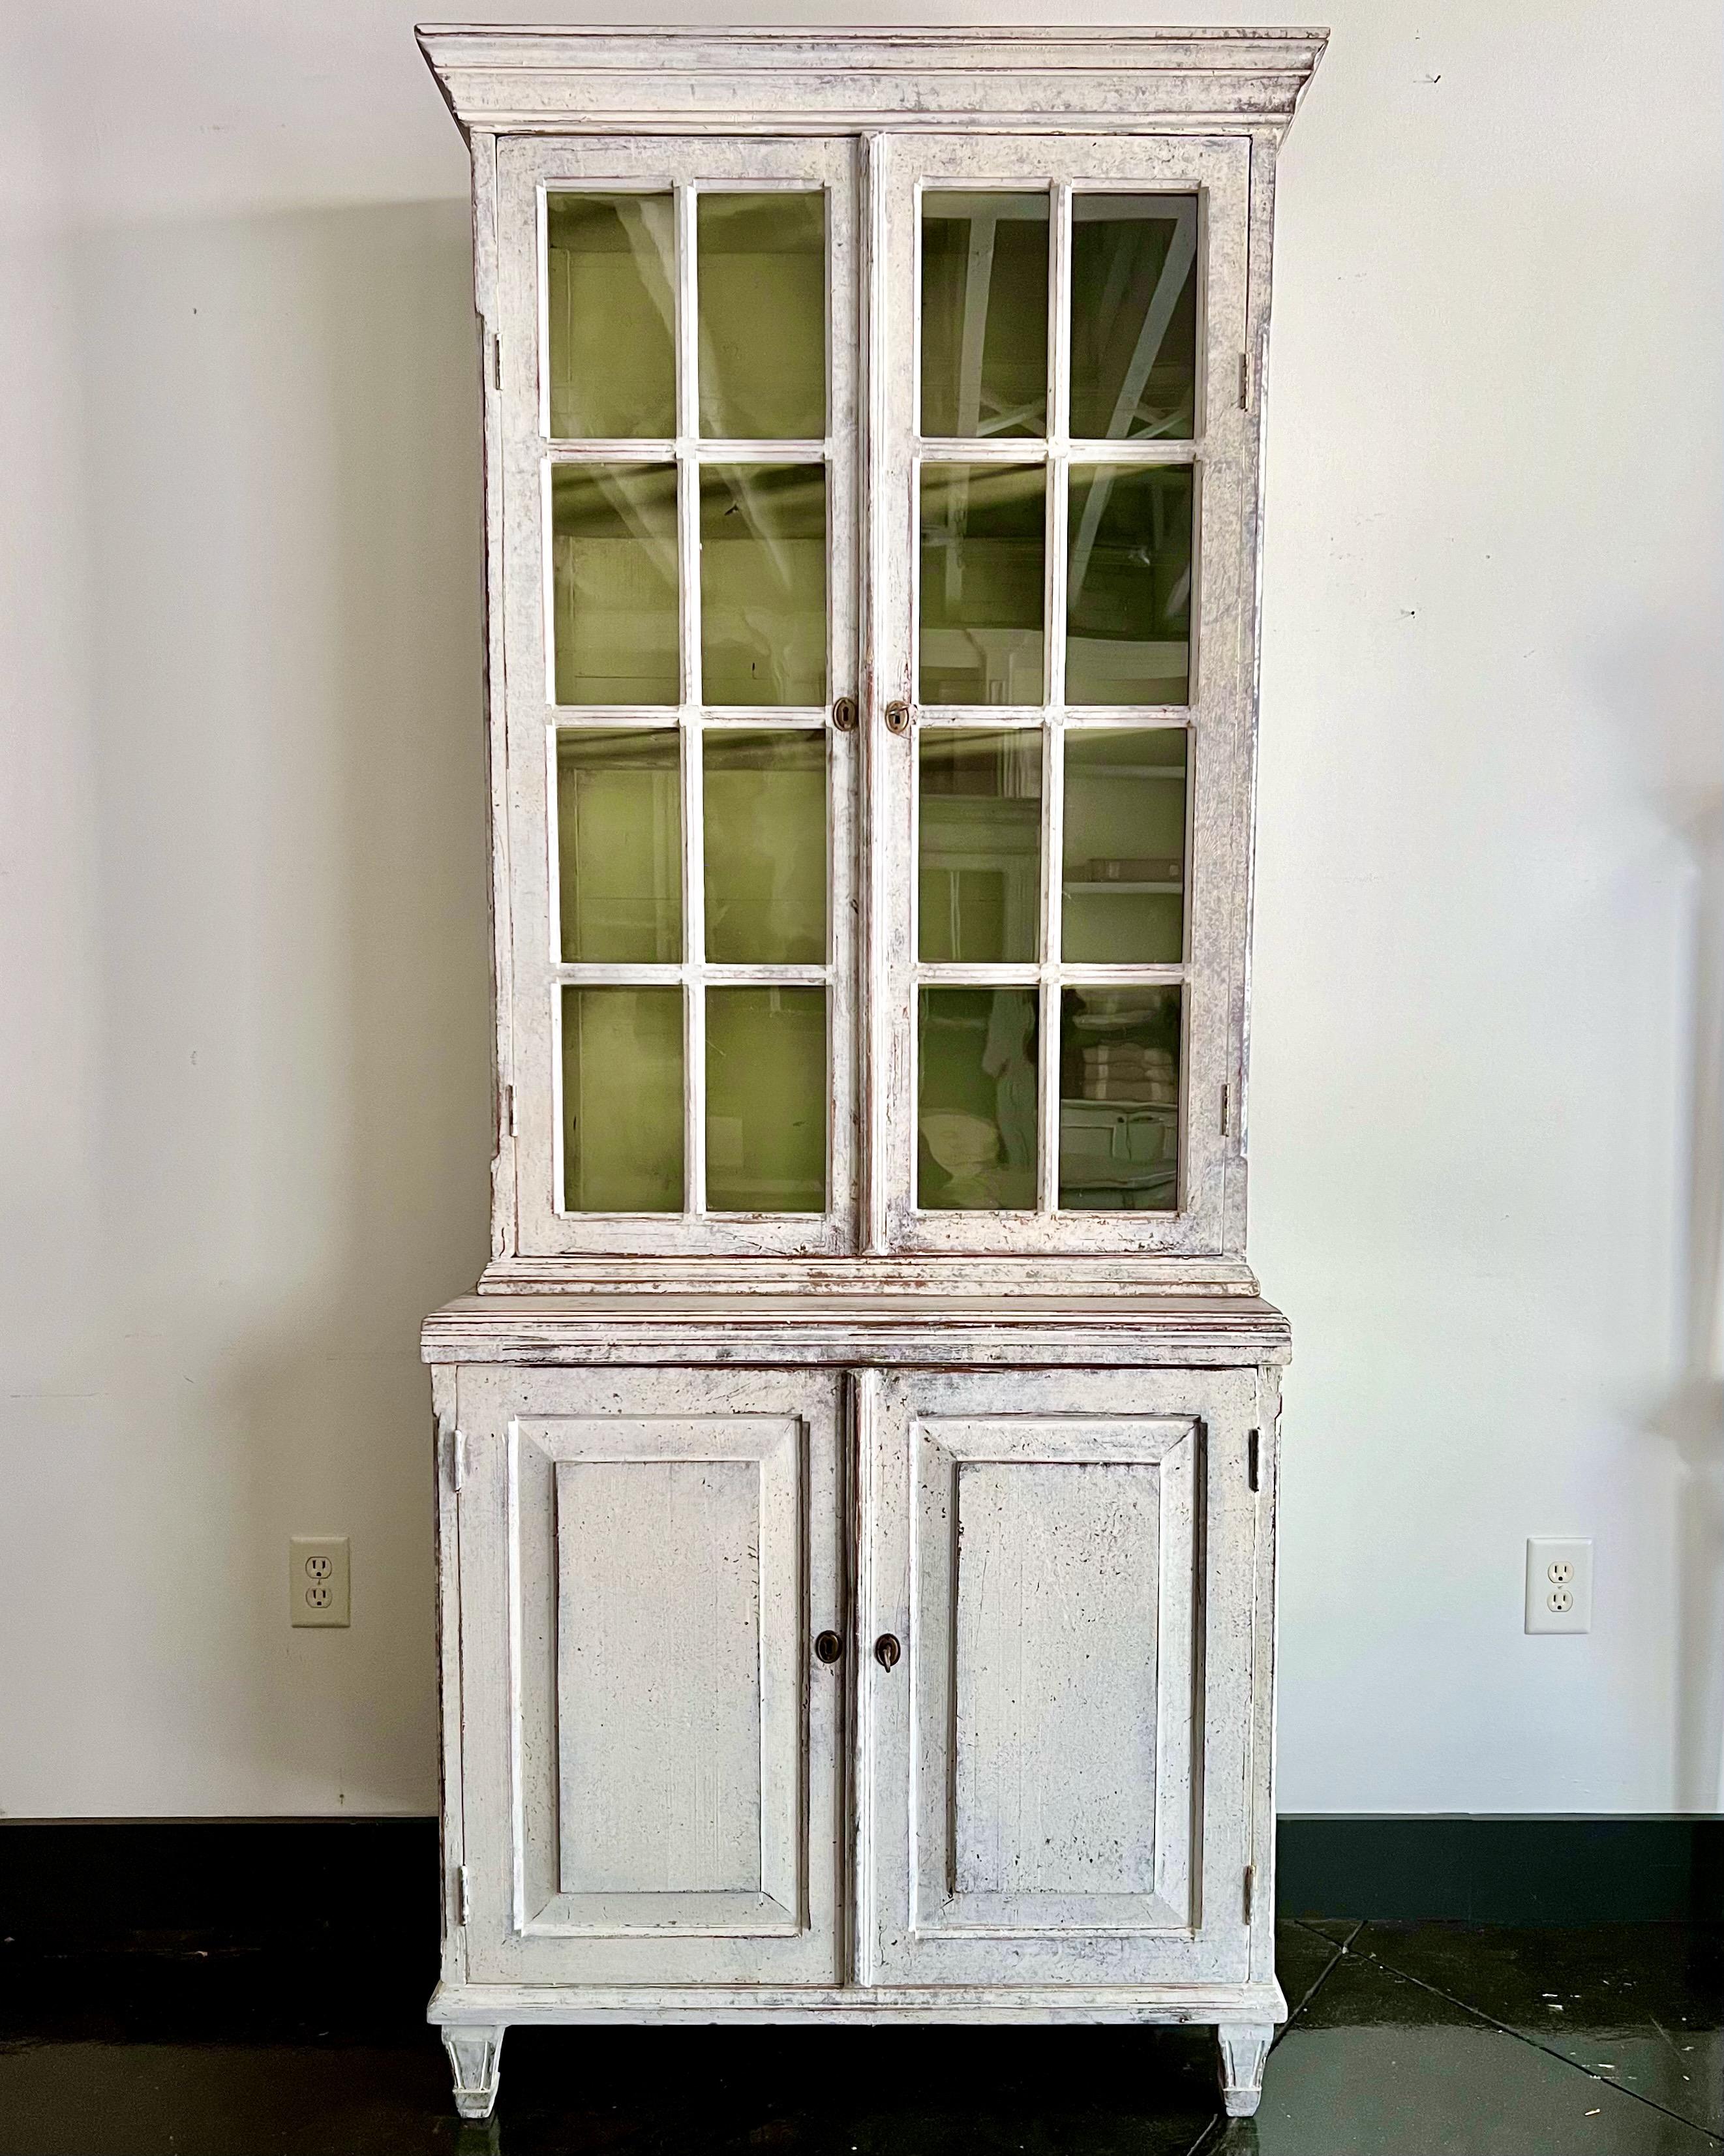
1054,1766
650,1755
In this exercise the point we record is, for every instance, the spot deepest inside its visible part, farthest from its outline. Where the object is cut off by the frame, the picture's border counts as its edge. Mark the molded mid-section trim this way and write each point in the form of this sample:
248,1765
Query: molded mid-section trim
835,1330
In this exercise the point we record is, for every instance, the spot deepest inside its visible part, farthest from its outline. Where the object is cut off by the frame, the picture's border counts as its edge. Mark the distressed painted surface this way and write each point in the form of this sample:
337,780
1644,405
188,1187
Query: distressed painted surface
649,1755
541,79
1056,1804
659,1675
1090,1821
854,1328
1055,1678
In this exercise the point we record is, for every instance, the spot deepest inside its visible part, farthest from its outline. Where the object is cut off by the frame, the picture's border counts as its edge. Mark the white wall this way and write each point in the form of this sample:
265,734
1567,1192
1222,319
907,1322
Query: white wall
244,1134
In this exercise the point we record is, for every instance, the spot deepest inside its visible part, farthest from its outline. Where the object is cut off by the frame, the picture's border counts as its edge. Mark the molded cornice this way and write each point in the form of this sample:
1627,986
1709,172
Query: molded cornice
525,80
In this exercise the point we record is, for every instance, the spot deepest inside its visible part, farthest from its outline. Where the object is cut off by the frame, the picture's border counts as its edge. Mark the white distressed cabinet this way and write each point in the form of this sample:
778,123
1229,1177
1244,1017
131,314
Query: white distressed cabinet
857,1464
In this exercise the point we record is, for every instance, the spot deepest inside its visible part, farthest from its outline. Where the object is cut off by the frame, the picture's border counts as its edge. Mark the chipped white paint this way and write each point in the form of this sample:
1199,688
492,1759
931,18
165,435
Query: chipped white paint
1031,1458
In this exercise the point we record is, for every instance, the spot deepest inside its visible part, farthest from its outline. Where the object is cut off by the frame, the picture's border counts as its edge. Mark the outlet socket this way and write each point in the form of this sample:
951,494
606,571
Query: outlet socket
318,1580
1559,1585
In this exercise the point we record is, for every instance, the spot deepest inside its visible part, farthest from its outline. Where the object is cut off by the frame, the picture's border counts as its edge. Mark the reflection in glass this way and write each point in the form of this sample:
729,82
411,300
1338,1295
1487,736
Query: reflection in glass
976,1148
1133,316
979,886
982,551
762,304
1128,605
613,584
1119,1100
621,1100
766,1099
984,314
763,583
611,316
1123,870
620,846
765,816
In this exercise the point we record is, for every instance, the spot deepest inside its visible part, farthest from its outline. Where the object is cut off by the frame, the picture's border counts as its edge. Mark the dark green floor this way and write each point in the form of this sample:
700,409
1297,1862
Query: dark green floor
1404,2041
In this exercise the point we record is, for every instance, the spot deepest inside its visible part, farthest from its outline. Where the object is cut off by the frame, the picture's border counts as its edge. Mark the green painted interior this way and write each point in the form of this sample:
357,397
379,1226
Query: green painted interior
762,288
1133,316
1118,1111
611,313
619,844
982,601
765,853
984,314
979,824
766,1099
763,584
977,1142
1124,868
623,1100
614,625
1128,585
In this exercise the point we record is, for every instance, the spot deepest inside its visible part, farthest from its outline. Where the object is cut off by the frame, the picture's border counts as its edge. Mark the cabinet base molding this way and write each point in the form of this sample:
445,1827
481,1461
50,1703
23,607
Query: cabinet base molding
488,2009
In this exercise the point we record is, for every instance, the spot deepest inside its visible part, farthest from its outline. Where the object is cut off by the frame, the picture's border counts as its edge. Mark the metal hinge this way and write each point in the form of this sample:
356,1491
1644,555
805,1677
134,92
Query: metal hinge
461,1894
496,358
1224,1111
458,1461
1250,1891
1244,382
509,1128
1254,1448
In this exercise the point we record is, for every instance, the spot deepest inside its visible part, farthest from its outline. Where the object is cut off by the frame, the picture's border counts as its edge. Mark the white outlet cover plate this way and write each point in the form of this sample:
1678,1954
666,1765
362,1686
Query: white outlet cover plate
318,1580
1559,1569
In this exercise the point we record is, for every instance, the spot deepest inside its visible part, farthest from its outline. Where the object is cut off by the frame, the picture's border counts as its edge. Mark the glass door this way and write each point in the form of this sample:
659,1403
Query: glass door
1059,658
679,444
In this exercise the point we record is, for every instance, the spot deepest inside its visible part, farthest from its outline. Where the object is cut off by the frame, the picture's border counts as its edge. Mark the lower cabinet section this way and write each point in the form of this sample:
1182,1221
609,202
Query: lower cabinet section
884,1678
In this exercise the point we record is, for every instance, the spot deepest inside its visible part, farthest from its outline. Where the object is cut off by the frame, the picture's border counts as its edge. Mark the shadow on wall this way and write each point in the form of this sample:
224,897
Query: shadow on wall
282,578
1665,692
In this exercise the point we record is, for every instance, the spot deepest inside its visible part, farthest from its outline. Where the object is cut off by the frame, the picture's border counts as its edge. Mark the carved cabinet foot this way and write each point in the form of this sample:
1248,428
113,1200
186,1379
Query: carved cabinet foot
474,2056
1243,2046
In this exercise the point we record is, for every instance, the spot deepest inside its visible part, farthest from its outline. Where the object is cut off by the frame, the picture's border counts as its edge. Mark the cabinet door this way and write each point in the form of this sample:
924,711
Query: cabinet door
650,1754
1056,1768
672,432
1063,534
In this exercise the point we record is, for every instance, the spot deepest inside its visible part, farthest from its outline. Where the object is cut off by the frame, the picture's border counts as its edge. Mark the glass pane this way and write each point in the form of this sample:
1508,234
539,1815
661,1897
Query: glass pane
984,314
621,1100
1119,1100
610,287
763,300
763,583
765,819
614,571
766,1099
981,566
979,888
1124,871
620,846
1128,606
976,1148
1134,315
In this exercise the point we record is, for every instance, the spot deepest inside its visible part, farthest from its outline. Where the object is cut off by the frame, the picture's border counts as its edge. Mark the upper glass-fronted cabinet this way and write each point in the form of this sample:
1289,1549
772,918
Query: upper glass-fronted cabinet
876,649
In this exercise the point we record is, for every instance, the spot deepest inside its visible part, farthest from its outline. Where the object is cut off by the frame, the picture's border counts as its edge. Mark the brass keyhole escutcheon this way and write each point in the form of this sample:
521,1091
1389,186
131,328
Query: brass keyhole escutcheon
828,1647
843,715
886,1650
897,722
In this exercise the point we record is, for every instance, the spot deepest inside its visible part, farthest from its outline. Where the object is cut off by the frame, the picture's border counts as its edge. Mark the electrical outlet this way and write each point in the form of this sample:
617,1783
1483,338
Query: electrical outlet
318,1583
1559,1585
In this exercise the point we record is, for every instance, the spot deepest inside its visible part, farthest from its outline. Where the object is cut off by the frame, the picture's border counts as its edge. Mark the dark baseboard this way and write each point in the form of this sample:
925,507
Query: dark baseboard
329,1890
1520,1870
